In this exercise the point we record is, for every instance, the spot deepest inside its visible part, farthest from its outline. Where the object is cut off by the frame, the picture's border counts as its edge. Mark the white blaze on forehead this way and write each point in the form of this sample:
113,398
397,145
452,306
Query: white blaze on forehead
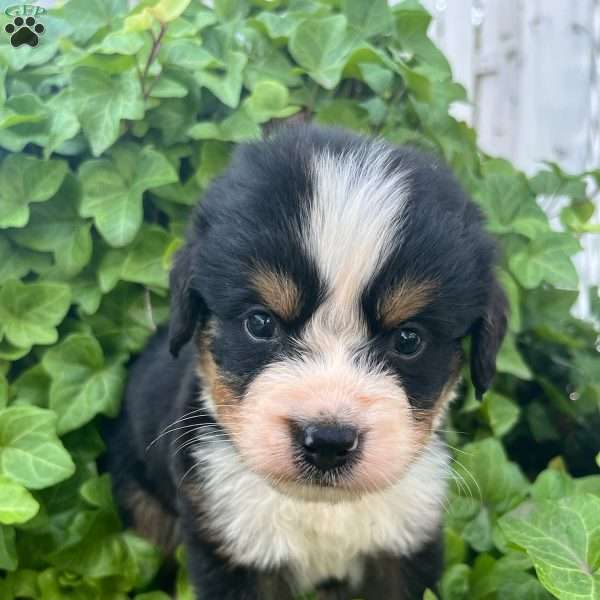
356,215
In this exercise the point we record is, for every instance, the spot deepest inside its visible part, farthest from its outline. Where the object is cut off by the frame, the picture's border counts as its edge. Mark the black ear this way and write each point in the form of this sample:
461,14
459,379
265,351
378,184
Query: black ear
187,306
486,338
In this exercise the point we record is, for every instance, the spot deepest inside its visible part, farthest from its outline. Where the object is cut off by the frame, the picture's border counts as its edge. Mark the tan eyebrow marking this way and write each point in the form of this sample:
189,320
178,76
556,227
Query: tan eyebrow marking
278,291
404,302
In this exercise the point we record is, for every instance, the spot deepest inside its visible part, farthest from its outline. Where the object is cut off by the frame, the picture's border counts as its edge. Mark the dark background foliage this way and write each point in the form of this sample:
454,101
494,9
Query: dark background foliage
111,129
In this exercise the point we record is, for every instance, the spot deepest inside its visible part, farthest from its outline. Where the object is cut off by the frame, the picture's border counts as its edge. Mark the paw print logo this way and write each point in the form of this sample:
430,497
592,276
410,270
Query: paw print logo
24,31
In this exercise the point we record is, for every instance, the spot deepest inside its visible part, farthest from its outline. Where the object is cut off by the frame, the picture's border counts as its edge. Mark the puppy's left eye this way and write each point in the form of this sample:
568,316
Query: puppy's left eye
409,342
260,326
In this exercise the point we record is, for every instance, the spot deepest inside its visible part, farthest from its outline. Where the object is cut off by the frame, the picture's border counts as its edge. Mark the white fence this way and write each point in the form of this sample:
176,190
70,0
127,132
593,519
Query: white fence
532,70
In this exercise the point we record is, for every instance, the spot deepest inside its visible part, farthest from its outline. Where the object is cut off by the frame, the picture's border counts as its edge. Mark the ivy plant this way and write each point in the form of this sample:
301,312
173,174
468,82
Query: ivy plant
110,130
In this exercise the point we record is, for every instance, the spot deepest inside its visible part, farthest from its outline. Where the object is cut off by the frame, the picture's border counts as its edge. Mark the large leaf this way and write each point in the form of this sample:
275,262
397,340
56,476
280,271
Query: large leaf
83,383
89,16
101,101
30,312
113,190
563,540
56,227
30,452
226,87
509,205
23,180
126,319
546,258
485,474
142,262
369,18
501,412
320,45
17,505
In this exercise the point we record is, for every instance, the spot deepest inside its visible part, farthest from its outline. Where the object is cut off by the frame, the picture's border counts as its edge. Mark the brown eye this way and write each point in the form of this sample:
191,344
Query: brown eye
260,326
408,342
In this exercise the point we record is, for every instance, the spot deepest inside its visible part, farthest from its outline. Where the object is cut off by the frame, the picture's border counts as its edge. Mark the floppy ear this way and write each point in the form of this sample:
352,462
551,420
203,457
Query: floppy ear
486,338
187,306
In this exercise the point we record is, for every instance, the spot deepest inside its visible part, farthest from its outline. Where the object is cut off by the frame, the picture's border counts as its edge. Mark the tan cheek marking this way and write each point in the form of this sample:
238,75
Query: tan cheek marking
430,420
404,302
223,397
278,292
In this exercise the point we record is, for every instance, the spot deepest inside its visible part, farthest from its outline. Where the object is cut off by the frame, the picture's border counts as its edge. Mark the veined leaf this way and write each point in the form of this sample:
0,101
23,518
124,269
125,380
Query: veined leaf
30,312
563,540
17,505
113,190
23,180
30,452
83,384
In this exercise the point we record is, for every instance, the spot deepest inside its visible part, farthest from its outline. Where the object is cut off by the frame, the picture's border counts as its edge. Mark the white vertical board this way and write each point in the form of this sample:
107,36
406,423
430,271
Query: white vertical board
532,71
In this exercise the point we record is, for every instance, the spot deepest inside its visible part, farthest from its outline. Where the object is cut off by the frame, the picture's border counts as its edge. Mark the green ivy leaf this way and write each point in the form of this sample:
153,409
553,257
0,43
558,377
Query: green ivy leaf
368,18
552,485
30,312
121,42
214,157
501,413
517,585
187,54
31,387
64,124
87,17
17,505
102,101
488,476
478,531
546,258
166,11
86,293
23,180
113,190
320,45
83,383
55,226
12,264
30,452
378,78
142,262
127,318
169,87
8,550
412,23
269,100
455,583
25,119
563,540
3,391
510,360
344,113
228,87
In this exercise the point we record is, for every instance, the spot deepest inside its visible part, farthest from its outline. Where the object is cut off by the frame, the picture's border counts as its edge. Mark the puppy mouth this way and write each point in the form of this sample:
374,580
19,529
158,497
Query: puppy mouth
338,477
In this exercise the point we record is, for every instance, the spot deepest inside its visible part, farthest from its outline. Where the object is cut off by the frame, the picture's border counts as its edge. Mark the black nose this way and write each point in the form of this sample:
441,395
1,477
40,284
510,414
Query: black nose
327,446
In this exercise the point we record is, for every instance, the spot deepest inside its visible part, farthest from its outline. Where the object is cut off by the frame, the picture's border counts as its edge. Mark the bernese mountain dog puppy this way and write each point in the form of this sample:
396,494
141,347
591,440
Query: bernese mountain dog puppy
319,306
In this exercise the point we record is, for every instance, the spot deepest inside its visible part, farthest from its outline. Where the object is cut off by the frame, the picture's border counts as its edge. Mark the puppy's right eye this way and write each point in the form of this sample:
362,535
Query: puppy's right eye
260,326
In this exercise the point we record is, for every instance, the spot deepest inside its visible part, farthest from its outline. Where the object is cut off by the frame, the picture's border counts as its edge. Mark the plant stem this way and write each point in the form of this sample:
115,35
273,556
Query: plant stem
156,42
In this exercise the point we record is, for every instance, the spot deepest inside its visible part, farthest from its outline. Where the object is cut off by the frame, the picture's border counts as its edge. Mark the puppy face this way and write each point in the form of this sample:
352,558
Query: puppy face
330,280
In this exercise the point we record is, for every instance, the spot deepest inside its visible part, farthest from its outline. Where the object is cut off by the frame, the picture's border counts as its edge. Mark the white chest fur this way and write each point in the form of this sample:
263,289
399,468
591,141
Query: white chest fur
264,528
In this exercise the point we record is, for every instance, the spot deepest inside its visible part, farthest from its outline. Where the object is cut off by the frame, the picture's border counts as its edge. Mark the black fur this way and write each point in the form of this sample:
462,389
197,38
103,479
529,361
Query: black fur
252,214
